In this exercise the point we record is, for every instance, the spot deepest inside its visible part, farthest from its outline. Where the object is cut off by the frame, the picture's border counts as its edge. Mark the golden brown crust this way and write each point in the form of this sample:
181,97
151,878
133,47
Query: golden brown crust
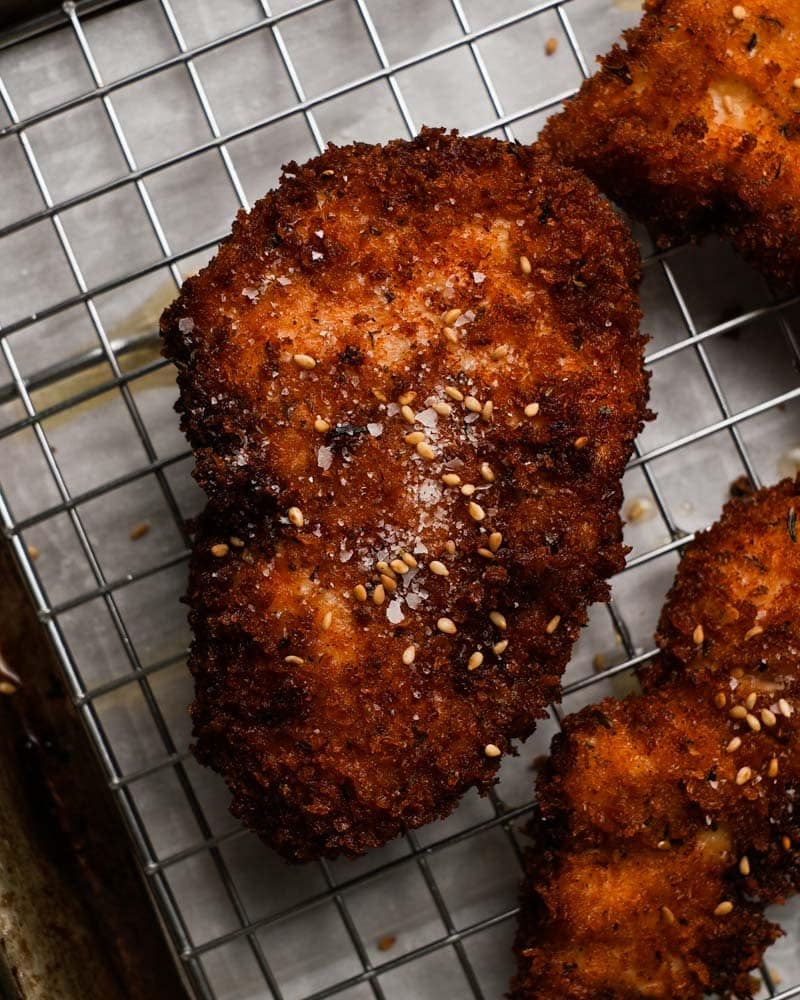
644,803
694,127
355,262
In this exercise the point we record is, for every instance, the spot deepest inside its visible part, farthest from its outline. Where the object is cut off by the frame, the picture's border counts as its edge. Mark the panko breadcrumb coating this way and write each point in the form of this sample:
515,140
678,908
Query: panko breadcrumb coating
694,127
667,821
412,378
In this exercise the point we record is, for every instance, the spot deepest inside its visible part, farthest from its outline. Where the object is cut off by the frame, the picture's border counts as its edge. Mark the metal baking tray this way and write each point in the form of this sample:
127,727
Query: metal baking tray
129,136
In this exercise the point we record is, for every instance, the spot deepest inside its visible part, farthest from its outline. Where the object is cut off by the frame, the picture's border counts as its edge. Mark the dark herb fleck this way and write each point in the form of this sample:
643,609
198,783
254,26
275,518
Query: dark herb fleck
791,524
752,42
351,355
601,718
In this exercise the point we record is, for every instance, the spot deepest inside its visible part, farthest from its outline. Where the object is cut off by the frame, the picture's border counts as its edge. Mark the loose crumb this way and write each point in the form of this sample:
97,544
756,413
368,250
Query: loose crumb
550,46
139,531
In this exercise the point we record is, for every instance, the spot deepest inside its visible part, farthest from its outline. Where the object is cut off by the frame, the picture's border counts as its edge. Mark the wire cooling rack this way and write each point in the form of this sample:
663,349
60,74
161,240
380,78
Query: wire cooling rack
129,135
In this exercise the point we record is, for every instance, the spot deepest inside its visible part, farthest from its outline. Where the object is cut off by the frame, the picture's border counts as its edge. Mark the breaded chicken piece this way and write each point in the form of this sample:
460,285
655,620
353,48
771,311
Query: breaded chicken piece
695,127
667,821
412,378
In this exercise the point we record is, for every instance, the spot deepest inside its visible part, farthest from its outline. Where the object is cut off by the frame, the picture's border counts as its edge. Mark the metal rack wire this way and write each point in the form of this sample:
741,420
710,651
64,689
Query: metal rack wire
453,949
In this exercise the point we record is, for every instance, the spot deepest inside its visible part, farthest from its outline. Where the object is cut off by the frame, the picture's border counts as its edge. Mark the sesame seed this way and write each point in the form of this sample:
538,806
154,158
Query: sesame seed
753,723
409,560
293,659
767,717
439,568
738,712
414,437
663,845
796,83
667,915
488,408
476,512
327,620
772,770
384,567
553,624
380,396
531,409
500,647
407,397
786,844
491,750
472,404
743,775
219,550
450,334
551,46
447,625
454,393
379,594
451,479
7,688
639,509
389,583
750,701
443,409
304,361
450,546
33,553
236,542
486,553
468,489
409,653
754,631
487,472
785,708
500,352
720,699
295,515
739,12
399,566
525,265
744,865
495,541
723,909
321,425
408,414
581,442
698,635
475,660
360,592
499,620
425,451
734,744
451,316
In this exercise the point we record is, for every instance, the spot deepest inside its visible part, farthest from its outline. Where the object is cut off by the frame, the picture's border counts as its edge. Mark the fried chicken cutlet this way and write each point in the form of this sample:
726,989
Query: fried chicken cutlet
667,820
694,127
412,378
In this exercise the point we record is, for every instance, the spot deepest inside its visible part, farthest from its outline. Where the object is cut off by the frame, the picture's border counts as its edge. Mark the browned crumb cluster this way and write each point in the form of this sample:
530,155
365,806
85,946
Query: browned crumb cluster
412,378
694,127
667,820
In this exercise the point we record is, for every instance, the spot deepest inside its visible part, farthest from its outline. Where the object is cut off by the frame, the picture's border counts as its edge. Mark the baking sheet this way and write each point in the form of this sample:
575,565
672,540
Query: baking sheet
129,535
